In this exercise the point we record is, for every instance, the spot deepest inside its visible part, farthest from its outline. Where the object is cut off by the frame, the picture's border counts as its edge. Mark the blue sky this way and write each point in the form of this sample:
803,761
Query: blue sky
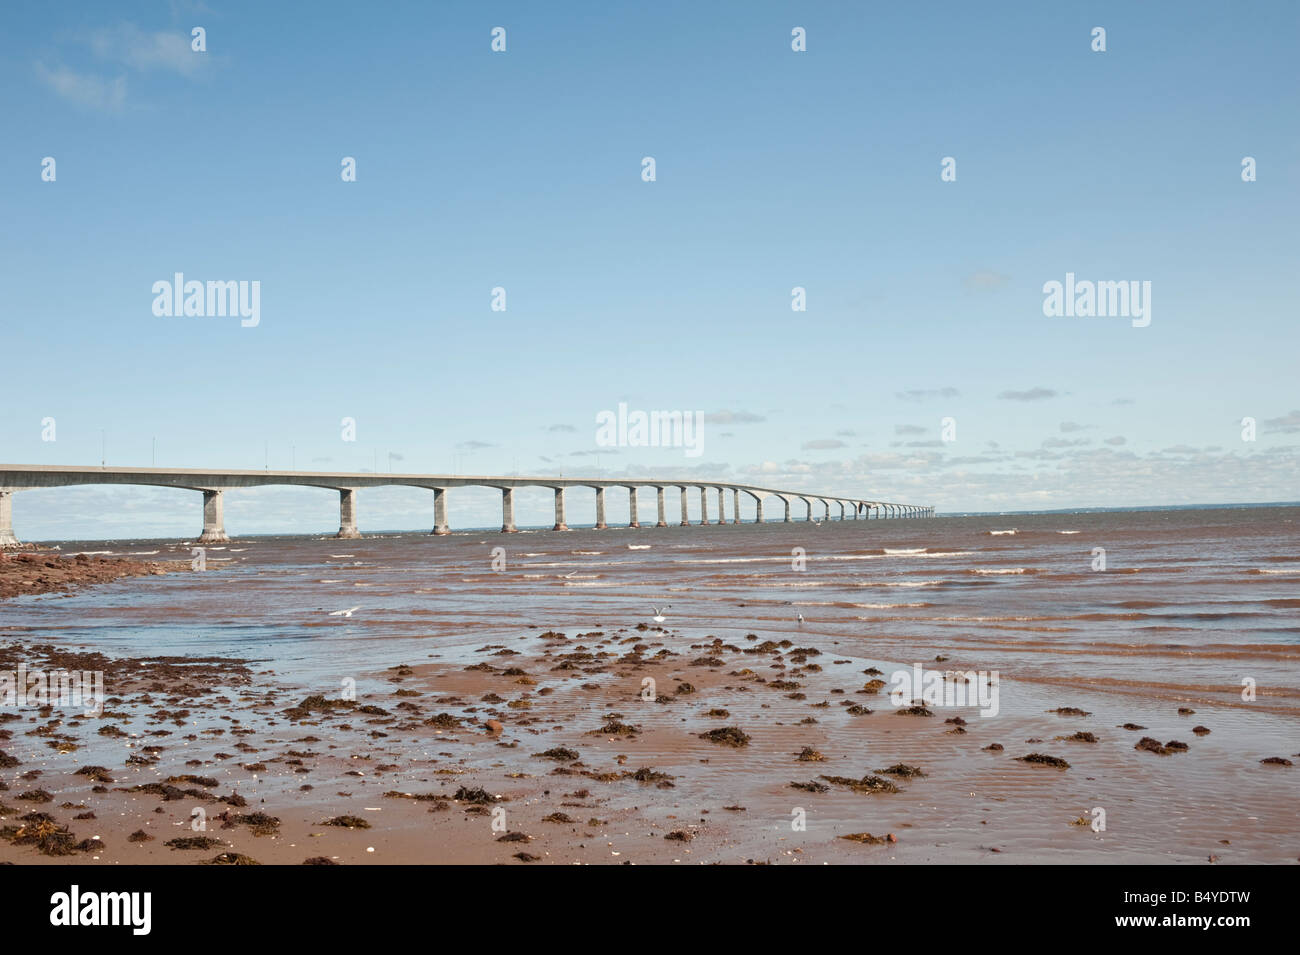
775,169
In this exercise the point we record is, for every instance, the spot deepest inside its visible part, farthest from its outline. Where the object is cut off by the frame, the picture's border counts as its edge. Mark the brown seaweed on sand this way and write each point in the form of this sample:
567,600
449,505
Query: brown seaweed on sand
727,736
194,842
1042,759
867,839
347,822
902,770
810,787
914,711
560,754
476,796
867,784
41,830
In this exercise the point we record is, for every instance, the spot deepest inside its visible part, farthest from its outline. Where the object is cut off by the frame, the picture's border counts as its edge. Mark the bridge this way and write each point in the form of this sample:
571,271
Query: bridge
213,484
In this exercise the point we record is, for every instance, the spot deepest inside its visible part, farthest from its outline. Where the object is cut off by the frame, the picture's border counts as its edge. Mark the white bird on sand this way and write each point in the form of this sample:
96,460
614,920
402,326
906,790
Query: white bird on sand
801,618
659,614
343,613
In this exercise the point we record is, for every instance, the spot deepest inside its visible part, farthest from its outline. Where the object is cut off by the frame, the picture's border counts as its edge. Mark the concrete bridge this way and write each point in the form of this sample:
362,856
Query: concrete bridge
213,484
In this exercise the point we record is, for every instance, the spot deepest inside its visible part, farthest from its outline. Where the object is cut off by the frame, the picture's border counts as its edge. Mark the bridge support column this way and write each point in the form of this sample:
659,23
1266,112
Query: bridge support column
722,506
758,510
440,511
809,503
600,509
631,508
704,505
348,513
685,516
508,510
841,503
214,531
735,505
659,500
559,511
787,510
7,538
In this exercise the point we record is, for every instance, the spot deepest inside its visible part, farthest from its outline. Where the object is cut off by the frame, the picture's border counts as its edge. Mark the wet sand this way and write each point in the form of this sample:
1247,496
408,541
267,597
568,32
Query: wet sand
499,719
45,571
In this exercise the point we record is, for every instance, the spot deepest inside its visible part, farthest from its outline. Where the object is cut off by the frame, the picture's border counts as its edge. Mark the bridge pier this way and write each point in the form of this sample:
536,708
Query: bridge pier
685,518
214,531
659,501
631,508
600,509
722,506
758,510
508,510
7,538
704,505
348,513
559,511
735,505
809,504
787,509
440,512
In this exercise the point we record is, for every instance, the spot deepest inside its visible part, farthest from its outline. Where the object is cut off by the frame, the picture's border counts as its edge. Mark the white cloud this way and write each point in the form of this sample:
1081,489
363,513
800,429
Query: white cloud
85,89
159,50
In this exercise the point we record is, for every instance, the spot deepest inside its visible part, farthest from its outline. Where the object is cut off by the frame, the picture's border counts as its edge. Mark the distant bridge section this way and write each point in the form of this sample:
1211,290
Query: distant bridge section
213,484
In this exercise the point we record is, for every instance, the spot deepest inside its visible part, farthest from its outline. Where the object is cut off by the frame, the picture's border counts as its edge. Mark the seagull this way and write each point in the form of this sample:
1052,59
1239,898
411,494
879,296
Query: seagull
343,613
800,618
659,614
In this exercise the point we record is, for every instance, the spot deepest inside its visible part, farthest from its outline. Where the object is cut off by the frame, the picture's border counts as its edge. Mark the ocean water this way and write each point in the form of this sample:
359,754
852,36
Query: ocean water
1193,608
1162,602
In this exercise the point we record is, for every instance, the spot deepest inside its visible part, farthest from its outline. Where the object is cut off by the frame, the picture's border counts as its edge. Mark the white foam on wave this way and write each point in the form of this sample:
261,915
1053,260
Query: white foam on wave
1275,570
142,553
900,583
587,553
1000,533
1068,532
638,546
1000,570
904,551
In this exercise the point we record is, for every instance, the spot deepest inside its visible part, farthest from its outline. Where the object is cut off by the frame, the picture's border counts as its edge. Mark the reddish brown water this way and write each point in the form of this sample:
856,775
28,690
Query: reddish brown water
1191,603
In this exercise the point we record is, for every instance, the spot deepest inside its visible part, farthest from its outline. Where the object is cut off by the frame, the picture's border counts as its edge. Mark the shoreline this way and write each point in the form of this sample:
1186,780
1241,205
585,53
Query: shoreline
35,571
547,748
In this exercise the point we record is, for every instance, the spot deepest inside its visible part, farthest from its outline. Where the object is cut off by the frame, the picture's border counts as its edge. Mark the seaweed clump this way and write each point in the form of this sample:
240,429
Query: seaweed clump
346,822
41,830
727,736
868,839
1042,759
867,784
231,858
193,842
